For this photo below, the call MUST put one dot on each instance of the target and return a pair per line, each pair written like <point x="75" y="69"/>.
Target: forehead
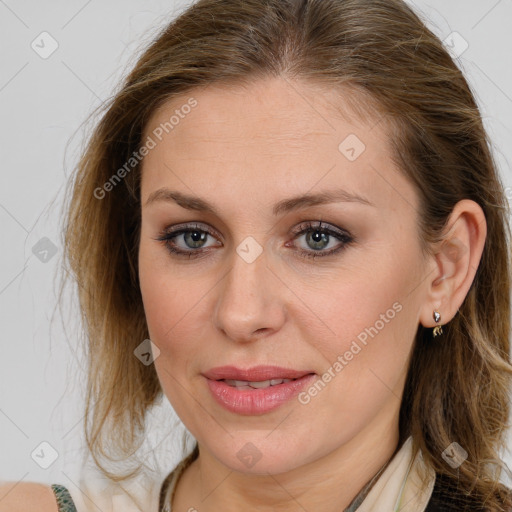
<point x="297" y="108"/>
<point x="274" y="129"/>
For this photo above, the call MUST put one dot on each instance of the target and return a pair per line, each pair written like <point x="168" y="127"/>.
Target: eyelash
<point x="345" y="238"/>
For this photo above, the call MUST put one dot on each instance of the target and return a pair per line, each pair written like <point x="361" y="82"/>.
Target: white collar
<point x="400" y="487"/>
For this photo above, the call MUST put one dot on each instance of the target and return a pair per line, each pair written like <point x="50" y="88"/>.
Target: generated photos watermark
<point x="149" y="144"/>
<point x="355" y="348"/>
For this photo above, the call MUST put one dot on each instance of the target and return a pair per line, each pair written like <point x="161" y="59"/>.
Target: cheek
<point x="162" y="302"/>
<point x="171" y="317"/>
<point x="175" y="309"/>
<point x="171" y="308"/>
<point x="369" y="323"/>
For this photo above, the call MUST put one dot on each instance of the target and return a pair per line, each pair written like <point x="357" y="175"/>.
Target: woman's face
<point x="258" y="282"/>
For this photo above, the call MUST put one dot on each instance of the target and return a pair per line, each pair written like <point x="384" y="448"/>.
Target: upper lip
<point x="254" y="374"/>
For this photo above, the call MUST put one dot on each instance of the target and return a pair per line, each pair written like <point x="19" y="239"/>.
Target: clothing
<point x="397" y="488"/>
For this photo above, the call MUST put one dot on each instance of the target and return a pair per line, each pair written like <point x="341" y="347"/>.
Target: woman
<point x="289" y="222"/>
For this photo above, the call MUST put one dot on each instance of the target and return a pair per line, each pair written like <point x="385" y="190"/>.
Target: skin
<point x="243" y="149"/>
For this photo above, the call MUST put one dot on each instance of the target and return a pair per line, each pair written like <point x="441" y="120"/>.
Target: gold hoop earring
<point x="438" y="328"/>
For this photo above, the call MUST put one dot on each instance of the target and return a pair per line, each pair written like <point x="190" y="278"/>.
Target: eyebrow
<point x="286" y="205"/>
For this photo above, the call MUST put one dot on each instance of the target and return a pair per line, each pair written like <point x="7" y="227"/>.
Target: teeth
<point x="259" y="385"/>
<point x="244" y="384"/>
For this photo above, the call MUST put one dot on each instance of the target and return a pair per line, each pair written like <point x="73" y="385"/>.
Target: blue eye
<point x="191" y="234"/>
<point x="318" y="238"/>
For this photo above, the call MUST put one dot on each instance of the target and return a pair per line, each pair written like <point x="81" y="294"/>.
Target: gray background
<point x="43" y="102"/>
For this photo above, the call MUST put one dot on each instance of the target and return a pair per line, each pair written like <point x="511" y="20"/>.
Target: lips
<point x="256" y="390"/>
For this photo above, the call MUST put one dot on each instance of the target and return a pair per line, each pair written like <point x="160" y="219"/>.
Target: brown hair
<point x="457" y="388"/>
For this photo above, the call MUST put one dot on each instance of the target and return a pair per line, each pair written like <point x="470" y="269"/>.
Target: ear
<point x="454" y="262"/>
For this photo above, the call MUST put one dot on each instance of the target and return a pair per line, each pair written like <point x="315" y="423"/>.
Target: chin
<point x="262" y="456"/>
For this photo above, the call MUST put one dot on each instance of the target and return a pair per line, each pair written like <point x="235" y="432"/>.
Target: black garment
<point x="447" y="497"/>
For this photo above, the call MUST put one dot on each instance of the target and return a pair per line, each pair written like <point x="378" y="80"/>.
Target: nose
<point x="250" y="305"/>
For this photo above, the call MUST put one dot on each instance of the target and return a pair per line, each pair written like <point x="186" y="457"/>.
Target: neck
<point x="329" y="483"/>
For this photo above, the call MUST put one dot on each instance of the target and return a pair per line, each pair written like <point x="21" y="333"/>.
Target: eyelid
<point x="321" y="225"/>
<point x="190" y="226"/>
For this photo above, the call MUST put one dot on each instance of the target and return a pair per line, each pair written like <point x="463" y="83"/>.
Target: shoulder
<point x="27" y="497"/>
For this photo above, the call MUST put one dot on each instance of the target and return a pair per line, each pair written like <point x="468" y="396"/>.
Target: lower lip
<point x="256" y="401"/>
